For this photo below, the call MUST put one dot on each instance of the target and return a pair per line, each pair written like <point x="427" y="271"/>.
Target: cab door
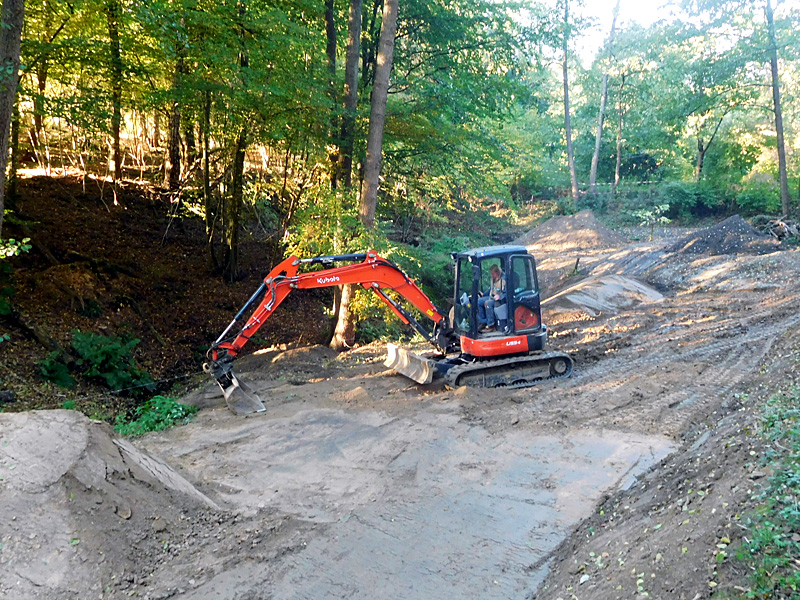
<point x="523" y="286"/>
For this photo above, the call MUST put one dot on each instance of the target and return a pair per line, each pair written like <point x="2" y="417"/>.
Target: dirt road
<point x="358" y="484"/>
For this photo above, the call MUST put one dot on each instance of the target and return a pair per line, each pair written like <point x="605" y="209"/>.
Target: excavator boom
<point x="368" y="270"/>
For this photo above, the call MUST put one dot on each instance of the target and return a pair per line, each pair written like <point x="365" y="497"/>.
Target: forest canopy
<point x="260" y="109"/>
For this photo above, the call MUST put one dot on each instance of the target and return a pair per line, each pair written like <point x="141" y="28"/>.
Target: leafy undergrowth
<point x="157" y="414"/>
<point x="773" y="549"/>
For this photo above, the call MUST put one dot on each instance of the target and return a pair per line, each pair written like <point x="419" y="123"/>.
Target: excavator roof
<point x="489" y="251"/>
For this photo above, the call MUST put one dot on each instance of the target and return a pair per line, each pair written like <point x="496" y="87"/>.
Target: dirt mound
<point x="81" y="509"/>
<point x="581" y="230"/>
<point x="608" y="294"/>
<point x="732" y="236"/>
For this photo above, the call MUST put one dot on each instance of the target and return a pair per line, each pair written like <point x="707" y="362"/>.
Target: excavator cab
<point x="518" y="312"/>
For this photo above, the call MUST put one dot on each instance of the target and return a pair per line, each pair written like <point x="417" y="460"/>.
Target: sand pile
<point x="80" y="511"/>
<point x="579" y="231"/>
<point x="731" y="236"/>
<point x="608" y="295"/>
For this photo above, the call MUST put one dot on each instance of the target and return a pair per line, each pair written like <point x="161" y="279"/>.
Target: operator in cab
<point x="495" y="296"/>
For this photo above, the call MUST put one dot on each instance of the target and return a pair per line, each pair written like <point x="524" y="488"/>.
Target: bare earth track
<point x="359" y="484"/>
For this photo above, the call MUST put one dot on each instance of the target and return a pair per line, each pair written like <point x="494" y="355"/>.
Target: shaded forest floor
<point x="125" y="267"/>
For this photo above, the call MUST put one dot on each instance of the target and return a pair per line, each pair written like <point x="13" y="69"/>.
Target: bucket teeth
<point x="241" y="398"/>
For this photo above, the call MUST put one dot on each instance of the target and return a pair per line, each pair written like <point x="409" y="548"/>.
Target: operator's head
<point x="495" y="271"/>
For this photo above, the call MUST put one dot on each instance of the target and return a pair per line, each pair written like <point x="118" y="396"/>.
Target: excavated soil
<point x="356" y="483"/>
<point x="732" y="236"/>
<point x="571" y="232"/>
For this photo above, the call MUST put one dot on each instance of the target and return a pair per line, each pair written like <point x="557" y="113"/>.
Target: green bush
<point x="157" y="414"/>
<point x="759" y="195"/>
<point x="692" y="199"/>
<point x="109" y="359"/>
<point x="53" y="369"/>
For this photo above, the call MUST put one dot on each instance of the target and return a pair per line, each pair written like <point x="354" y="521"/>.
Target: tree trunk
<point x="114" y="16"/>
<point x="191" y="144"/>
<point x="13" y="12"/>
<point x="330" y="51"/>
<point x="38" y="101"/>
<point x="207" y="204"/>
<point x="156" y="129"/>
<point x="776" y="99"/>
<point x="233" y="211"/>
<point x="573" y="177"/>
<point x="377" y="116"/>
<point x="172" y="166"/>
<point x="701" y="155"/>
<point x="620" y="116"/>
<point x="602" y="113"/>
<point x="12" y="172"/>
<point x="344" y="334"/>
<point x="368" y="50"/>
<point x="350" y="92"/>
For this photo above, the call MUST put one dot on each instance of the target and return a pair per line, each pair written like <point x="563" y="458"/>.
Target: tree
<point x="343" y="334"/>
<point x="13" y="13"/>
<point x="567" y="124"/>
<point x="776" y="99"/>
<point x="350" y="92"/>
<point x="114" y="16"/>
<point x="602" y="111"/>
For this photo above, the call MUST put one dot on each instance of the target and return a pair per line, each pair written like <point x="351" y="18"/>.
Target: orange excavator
<point x="478" y="343"/>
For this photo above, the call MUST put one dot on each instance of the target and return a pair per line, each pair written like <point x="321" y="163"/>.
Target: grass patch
<point x="157" y="414"/>
<point x="773" y="552"/>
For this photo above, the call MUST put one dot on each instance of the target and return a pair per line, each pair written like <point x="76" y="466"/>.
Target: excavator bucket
<point x="241" y="398"/>
<point x="413" y="366"/>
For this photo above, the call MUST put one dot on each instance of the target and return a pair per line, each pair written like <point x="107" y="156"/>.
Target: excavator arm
<point x="369" y="270"/>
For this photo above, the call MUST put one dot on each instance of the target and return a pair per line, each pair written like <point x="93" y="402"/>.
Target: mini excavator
<point x="512" y="355"/>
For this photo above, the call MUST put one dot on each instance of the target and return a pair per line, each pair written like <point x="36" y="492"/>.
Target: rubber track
<point x="454" y="373"/>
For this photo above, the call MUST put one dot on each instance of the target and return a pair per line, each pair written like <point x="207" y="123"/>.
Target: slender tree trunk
<point x="344" y="332"/>
<point x="701" y="155"/>
<point x="377" y="116"/>
<point x="233" y="212"/>
<point x="114" y="16"/>
<point x="776" y="100"/>
<point x="567" y="126"/>
<point x="602" y="113"/>
<point x="368" y="50"/>
<point x="172" y="167"/>
<point x="12" y="172"/>
<point x="38" y="102"/>
<point x="207" y="201"/>
<point x="330" y="51"/>
<point x="620" y="117"/>
<point x="156" y="129"/>
<point x="350" y="91"/>
<point x="191" y="143"/>
<point x="13" y="12"/>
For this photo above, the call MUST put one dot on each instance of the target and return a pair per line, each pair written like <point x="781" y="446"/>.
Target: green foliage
<point x="9" y="248"/>
<point x="53" y="369"/>
<point x="771" y="549"/>
<point x="157" y="414"/>
<point x="652" y="217"/>
<point x="109" y="359"/>
<point x="692" y="199"/>
<point x="12" y="247"/>
<point x="759" y="195"/>
<point x="69" y="405"/>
